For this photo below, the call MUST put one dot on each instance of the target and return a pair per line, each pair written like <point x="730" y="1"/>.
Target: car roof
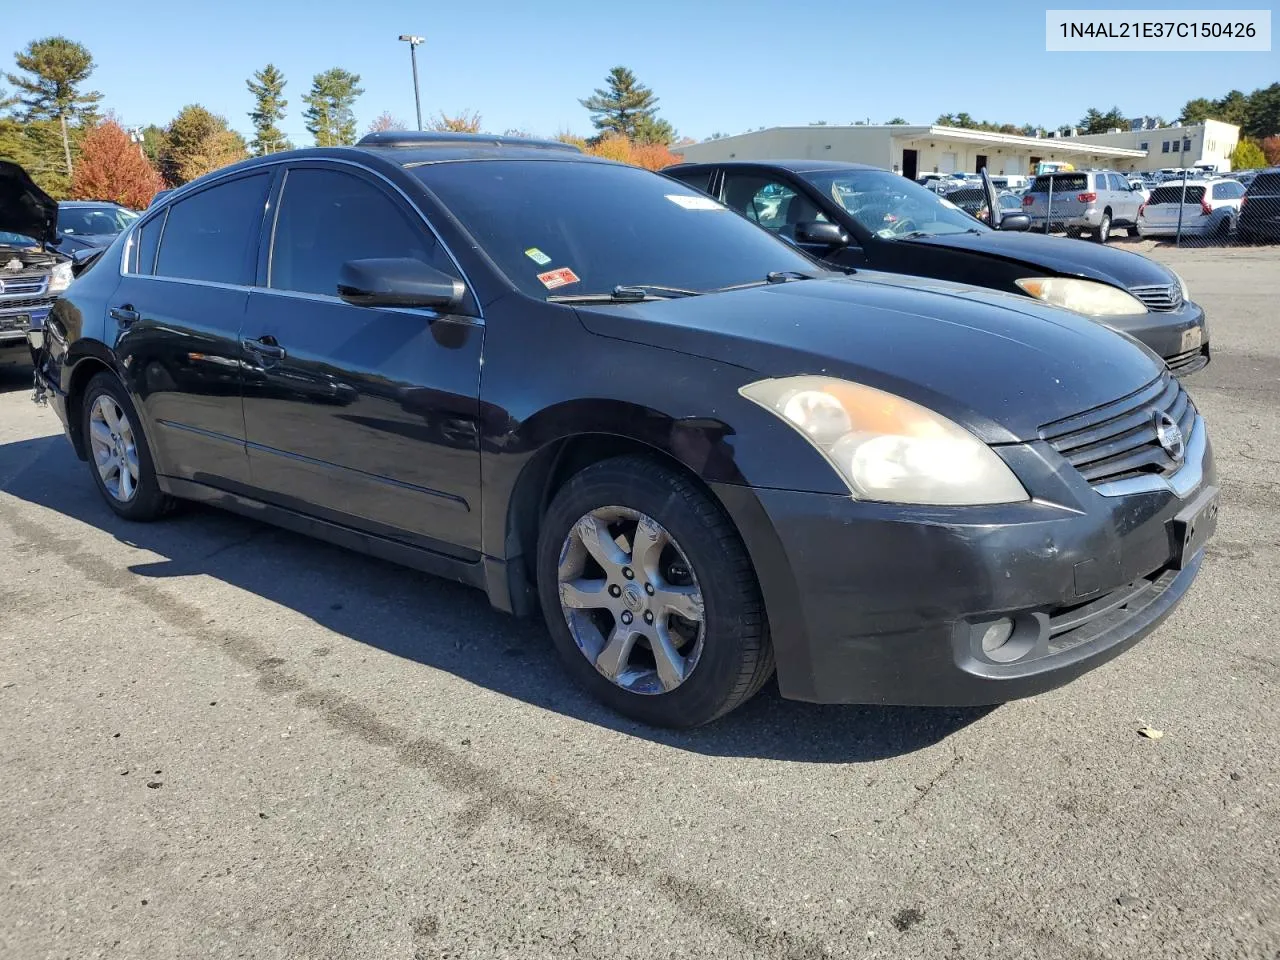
<point x="793" y="166"/>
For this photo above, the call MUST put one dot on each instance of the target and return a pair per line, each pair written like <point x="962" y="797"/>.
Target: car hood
<point x="1058" y="255"/>
<point x="999" y="364"/>
<point x="24" y="207"/>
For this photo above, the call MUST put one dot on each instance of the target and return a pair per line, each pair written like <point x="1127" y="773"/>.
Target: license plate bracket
<point x="1192" y="338"/>
<point x="1194" y="524"/>
<point x="15" y="321"/>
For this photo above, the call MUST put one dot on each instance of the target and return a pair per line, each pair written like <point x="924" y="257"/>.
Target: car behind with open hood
<point x="589" y="389"/>
<point x="31" y="272"/>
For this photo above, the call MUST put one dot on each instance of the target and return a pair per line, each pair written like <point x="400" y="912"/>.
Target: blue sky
<point x="716" y="65"/>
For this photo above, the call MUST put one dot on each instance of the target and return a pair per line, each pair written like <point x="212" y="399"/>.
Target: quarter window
<point x="211" y="235"/>
<point x="146" y="241"/>
<point x="328" y="217"/>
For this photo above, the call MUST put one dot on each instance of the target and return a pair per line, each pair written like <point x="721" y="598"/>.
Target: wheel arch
<point x="544" y="473"/>
<point x="77" y="376"/>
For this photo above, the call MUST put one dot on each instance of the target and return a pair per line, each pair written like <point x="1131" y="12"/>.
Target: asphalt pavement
<point x="224" y="740"/>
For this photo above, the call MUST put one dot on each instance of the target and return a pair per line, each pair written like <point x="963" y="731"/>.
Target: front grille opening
<point x="1119" y="440"/>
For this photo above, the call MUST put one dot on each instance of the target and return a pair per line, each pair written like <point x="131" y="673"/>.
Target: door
<point x="947" y="162"/>
<point x="179" y="307"/>
<point x="910" y="163"/>
<point x="980" y="163"/>
<point x="363" y="416"/>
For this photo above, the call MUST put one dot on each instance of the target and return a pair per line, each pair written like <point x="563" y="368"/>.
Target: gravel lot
<point x="223" y="740"/>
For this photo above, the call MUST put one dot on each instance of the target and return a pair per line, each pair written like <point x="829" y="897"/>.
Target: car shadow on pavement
<point x="444" y="625"/>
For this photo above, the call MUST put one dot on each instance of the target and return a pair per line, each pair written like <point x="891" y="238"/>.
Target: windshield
<point x="17" y="240"/>
<point x="93" y="221"/>
<point x="891" y="206"/>
<point x="571" y="227"/>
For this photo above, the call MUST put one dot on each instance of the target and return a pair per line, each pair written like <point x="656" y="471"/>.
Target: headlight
<point x="1083" y="296"/>
<point x="887" y="448"/>
<point x="1182" y="285"/>
<point x="60" y="278"/>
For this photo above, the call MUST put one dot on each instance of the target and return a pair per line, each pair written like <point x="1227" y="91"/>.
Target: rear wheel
<point x="650" y="596"/>
<point x="1103" y="233"/>
<point x="118" y="451"/>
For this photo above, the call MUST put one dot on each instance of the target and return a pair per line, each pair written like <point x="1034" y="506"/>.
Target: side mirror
<point x="1015" y="221"/>
<point x="398" y="282"/>
<point x="822" y="232"/>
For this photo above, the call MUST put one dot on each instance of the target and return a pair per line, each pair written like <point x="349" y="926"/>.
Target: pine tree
<point x="625" y="106"/>
<point x="56" y="68"/>
<point x="329" y="116"/>
<point x="267" y="87"/>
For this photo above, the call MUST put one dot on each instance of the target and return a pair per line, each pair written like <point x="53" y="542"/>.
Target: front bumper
<point x="1173" y="335"/>
<point x="879" y="603"/>
<point x="15" y="327"/>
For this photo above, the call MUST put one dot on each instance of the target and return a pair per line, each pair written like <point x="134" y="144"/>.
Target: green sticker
<point x="537" y="256"/>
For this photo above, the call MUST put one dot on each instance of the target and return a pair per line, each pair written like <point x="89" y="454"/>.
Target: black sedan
<point x="855" y="215"/>
<point x="591" y="390"/>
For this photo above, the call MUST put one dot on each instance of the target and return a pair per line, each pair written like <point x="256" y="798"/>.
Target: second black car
<point x="860" y="216"/>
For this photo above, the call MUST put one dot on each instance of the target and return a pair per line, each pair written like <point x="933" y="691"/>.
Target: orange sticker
<point x="558" y="278"/>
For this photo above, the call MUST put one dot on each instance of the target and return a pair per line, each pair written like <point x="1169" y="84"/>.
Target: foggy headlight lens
<point x="1083" y="296"/>
<point x="1182" y="285"/>
<point x="60" y="278"/>
<point x="887" y="448"/>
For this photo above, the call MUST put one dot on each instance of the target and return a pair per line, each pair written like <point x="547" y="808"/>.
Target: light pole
<point x="413" y="56"/>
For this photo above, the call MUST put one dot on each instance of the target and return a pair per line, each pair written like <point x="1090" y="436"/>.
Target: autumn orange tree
<point x="1271" y="150"/>
<point x="113" y="167"/>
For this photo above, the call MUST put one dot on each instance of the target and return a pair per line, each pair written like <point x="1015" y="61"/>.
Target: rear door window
<point x="698" y="179"/>
<point x="1227" y="190"/>
<point x="213" y="235"/>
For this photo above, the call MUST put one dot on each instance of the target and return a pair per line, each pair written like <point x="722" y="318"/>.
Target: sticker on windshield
<point x="537" y="256"/>
<point x="693" y="203"/>
<point x="560" y="277"/>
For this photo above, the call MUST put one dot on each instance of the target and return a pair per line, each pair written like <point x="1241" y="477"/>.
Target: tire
<point x="1222" y="232"/>
<point x="134" y="498"/>
<point x="1103" y="233"/>
<point x="723" y="663"/>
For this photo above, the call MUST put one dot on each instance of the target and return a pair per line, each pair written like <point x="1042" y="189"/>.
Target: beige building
<point x="1176" y="146"/>
<point x="914" y="150"/>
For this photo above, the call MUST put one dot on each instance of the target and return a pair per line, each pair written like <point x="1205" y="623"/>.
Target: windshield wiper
<point x="627" y="293"/>
<point x="776" y="276"/>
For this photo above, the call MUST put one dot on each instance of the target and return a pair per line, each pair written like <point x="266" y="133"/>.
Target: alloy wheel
<point x="114" y="447"/>
<point x="631" y="600"/>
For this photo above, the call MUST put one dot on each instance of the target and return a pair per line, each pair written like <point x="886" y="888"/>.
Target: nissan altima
<point x="596" y="393"/>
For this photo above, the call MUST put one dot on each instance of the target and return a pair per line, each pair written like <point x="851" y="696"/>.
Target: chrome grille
<point x="1188" y="362"/>
<point x="16" y="286"/>
<point x="1118" y="440"/>
<point x="1163" y="298"/>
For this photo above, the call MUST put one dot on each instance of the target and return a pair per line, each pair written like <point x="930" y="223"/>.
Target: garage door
<point x="947" y="163"/>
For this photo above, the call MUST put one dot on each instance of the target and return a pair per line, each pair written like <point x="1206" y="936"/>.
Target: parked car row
<point x="886" y="487"/>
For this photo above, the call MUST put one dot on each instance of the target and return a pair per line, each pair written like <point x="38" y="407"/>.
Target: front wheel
<point x="650" y="596"/>
<point x="118" y="451"/>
